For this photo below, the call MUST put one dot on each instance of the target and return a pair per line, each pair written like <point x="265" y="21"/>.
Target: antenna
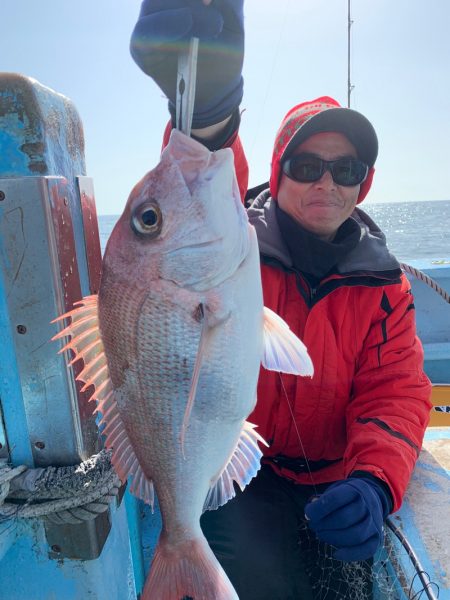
<point x="349" y="82"/>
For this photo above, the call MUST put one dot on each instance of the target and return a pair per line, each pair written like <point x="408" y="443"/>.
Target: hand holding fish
<point x="164" y="28"/>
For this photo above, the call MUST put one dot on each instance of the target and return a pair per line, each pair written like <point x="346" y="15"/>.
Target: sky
<point x="296" y="50"/>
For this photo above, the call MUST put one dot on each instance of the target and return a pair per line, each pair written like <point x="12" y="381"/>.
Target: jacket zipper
<point x="307" y="291"/>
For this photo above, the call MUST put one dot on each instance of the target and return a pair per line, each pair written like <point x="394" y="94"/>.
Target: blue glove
<point x="165" y="26"/>
<point x="350" y="515"/>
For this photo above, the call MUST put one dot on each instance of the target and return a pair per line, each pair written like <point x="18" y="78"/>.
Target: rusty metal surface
<point x="41" y="281"/>
<point x="91" y="233"/>
<point x="61" y="242"/>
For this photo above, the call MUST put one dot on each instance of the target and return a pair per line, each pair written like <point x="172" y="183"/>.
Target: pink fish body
<point x="173" y="345"/>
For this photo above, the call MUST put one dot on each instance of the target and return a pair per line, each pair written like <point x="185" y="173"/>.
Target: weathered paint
<point x="41" y="281"/>
<point x="424" y="516"/>
<point x="26" y="573"/>
<point x="47" y="261"/>
<point x="151" y="528"/>
<point x="135" y="516"/>
<point x="10" y="385"/>
<point x="42" y="130"/>
<point x="42" y="134"/>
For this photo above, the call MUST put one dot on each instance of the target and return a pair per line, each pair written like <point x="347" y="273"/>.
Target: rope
<point x="423" y="277"/>
<point x="59" y="494"/>
<point x="6" y="475"/>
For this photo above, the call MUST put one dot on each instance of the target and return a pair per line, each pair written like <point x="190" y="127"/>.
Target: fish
<point x="173" y="344"/>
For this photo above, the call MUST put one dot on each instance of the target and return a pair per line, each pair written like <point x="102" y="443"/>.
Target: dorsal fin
<point x="86" y="343"/>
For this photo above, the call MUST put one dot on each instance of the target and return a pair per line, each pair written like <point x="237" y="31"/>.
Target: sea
<point x="414" y="230"/>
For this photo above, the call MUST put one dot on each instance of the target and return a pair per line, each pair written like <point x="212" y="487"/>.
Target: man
<point x="343" y="444"/>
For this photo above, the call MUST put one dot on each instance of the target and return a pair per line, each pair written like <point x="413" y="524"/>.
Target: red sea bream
<point x="173" y="345"/>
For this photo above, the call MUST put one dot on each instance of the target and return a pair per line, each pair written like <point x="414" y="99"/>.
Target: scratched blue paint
<point x="425" y="476"/>
<point x="151" y="527"/>
<point x="53" y="128"/>
<point x="41" y="134"/>
<point x="434" y="469"/>
<point x="26" y="572"/>
<point x="432" y="486"/>
<point x="12" y="407"/>
<point x="134" y="516"/>
<point x="432" y="568"/>
<point x="437" y="433"/>
<point x="12" y="160"/>
<point x="11" y="390"/>
<point x="7" y="538"/>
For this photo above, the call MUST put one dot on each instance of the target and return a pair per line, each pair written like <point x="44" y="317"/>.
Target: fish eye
<point x="147" y="219"/>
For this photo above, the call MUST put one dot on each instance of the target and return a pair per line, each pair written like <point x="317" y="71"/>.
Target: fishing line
<point x="298" y="434"/>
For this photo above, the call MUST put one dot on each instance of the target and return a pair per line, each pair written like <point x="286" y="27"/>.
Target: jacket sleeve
<point x="390" y="405"/>
<point x="240" y="160"/>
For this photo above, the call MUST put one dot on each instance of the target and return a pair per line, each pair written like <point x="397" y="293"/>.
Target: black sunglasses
<point x="307" y="168"/>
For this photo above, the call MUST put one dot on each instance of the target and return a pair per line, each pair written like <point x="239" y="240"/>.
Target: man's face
<point x="321" y="206"/>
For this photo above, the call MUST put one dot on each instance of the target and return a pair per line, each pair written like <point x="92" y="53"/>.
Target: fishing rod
<point x="349" y="27"/>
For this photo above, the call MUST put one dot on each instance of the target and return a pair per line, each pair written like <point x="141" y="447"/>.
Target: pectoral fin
<point x="283" y="351"/>
<point x="203" y="344"/>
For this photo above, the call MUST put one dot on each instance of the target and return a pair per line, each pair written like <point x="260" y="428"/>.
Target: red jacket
<point x="367" y="406"/>
<point x="368" y="401"/>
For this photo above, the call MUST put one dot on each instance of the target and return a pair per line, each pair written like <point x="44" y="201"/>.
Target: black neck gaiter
<point x="311" y="255"/>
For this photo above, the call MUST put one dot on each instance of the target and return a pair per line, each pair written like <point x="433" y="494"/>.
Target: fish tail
<point x="187" y="570"/>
